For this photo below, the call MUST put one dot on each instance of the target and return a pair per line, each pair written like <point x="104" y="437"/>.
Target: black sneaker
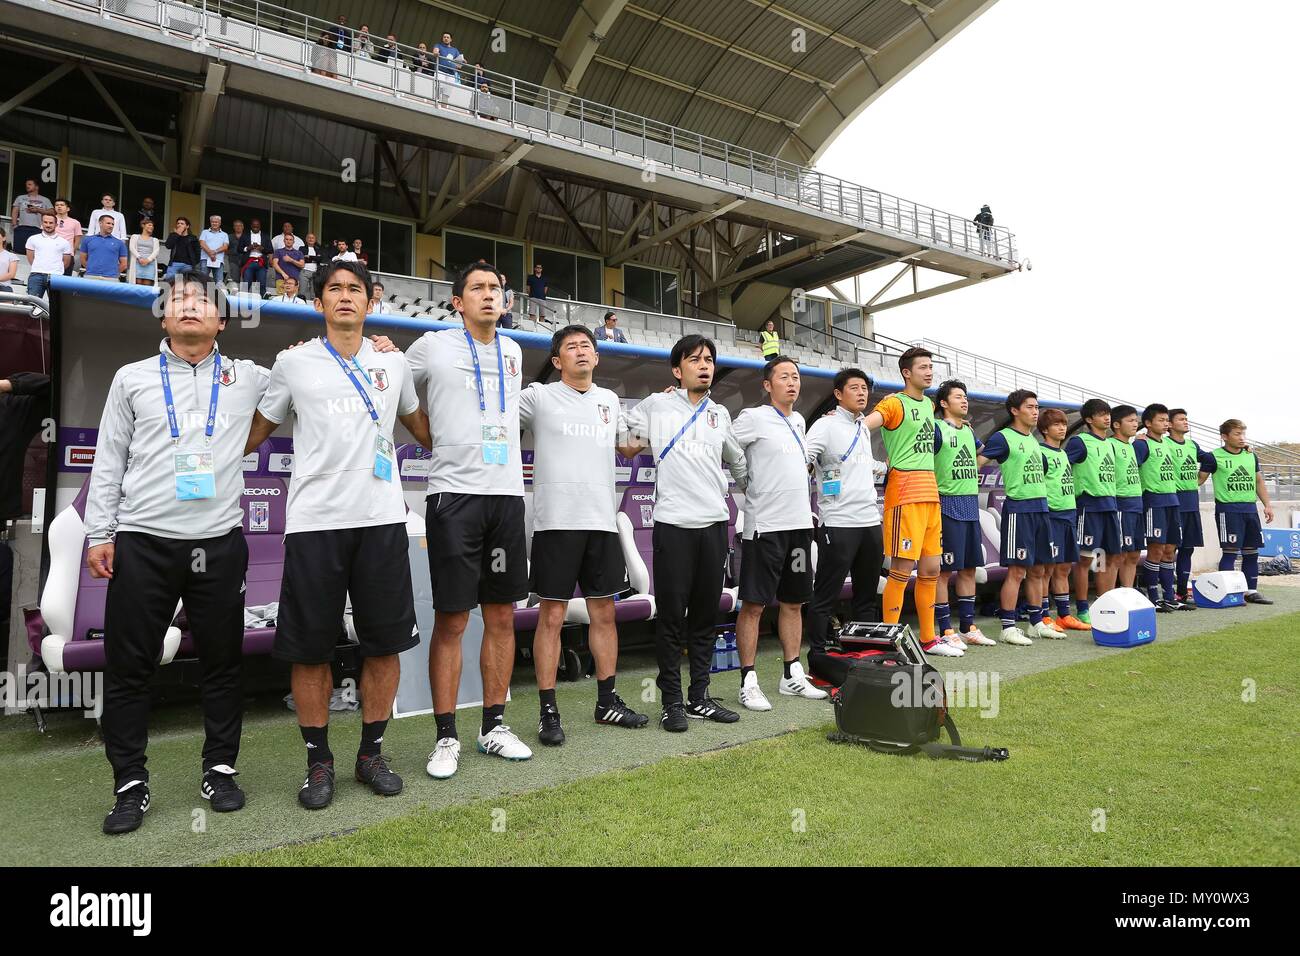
<point x="1186" y="602"/>
<point x="673" y="719"/>
<point x="1254" y="597"/>
<point x="620" y="714"/>
<point x="221" y="791"/>
<point x="549" y="730"/>
<point x="128" y="810"/>
<point x="1165" y="607"/>
<point x="374" y="771"/>
<point x="318" y="789"/>
<point x="710" y="708"/>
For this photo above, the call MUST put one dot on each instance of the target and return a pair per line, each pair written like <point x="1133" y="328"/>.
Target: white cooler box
<point x="1220" y="589"/>
<point x="1123" y="618"/>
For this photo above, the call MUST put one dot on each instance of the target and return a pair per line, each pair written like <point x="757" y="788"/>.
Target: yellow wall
<point x="428" y="247"/>
<point x="187" y="205"/>
<point x="613" y="280"/>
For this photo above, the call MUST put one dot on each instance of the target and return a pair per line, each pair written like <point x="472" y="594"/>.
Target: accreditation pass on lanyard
<point x="831" y="476"/>
<point x="496" y="445"/>
<point x="384" y="457"/>
<point x="194" y="474"/>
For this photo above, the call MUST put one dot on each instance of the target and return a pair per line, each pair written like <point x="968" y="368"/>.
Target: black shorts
<point x="777" y="564"/>
<point x="590" y="560"/>
<point x="321" y="569"/>
<point x="477" y="550"/>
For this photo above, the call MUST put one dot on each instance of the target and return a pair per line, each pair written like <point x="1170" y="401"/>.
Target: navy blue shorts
<point x="1064" y="545"/>
<point x="1131" y="526"/>
<point x="1239" y="530"/>
<point x="1163" y="525"/>
<point x="963" y="544"/>
<point x="1190" y="533"/>
<point x="1026" y="539"/>
<point x="1098" y="531"/>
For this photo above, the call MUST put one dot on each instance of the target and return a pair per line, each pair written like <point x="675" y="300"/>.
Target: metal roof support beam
<point x="780" y="262"/>
<point x="196" y="122"/>
<point x="937" y="290"/>
<point x="126" y="123"/>
<point x="46" y="81"/>
<point x="631" y="231"/>
<point x="923" y="8"/>
<point x="692" y="260"/>
<point x="564" y="211"/>
<point x="828" y="32"/>
<point x="784" y="121"/>
<point x="830" y="115"/>
<point x="386" y="153"/>
<point x="676" y="229"/>
<point x="502" y="164"/>
<point x="907" y="267"/>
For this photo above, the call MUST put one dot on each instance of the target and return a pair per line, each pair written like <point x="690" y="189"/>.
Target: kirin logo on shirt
<point x="380" y="377"/>
<point x="604" y="413"/>
<point x="227" y="375"/>
<point x="712" y="416"/>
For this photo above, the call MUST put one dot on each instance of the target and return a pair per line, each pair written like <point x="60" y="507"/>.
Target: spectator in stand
<point x="290" y="293"/>
<point x="449" y="59"/>
<point x="536" y="290"/>
<point x="610" y="332"/>
<point x="145" y="212"/>
<point x="287" y="261"/>
<point x="378" y="305"/>
<point x="254" y="273"/>
<point x="769" y="341"/>
<point x="183" y="248"/>
<point x="507" y="320"/>
<point x="255" y="235"/>
<point x="387" y="52"/>
<point x="8" y="265"/>
<point x="109" y="208"/>
<point x="29" y="205"/>
<point x="484" y="104"/>
<point x="421" y="61"/>
<point x="103" y="255"/>
<point x="341" y="36"/>
<point x="214" y="242"/>
<point x="238" y="250"/>
<point x="362" y="255"/>
<point x="285" y="238"/>
<point x="324" y="55"/>
<point x="341" y="251"/>
<point x="69" y="228"/>
<point x="365" y="46"/>
<point x="311" y="257"/>
<point x="143" y="268"/>
<point x="48" y="254"/>
<point x="984" y="223"/>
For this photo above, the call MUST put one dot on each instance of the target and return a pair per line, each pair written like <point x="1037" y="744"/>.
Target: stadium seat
<point x="637" y="606"/>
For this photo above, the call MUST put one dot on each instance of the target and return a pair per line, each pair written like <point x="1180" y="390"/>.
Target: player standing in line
<point x="913" y="523"/>
<point x="691" y="437"/>
<point x="848" y="538"/>
<point x="1099" y="528"/>
<point x="776" y="558"/>
<point x="1026" y="535"/>
<point x="1237" y="483"/>
<point x="1128" y="492"/>
<point x="1062" y="516"/>
<point x="474" y="512"/>
<point x="1159" y="476"/>
<point x="1187" y="465"/>
<point x="575" y="425"/>
<point x="345" y="529"/>
<point x="956" y="450"/>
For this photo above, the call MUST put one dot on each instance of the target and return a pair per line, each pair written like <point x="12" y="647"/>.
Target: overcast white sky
<point x="1144" y="153"/>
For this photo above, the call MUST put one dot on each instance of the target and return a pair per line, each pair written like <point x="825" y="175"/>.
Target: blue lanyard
<point x="478" y="372"/>
<point x="852" y="445"/>
<point x="689" y="422"/>
<point x="171" y="404"/>
<point x="791" y="427"/>
<point x="347" y="370"/>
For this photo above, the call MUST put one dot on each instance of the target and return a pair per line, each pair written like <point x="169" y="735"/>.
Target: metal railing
<point x="1009" y="377"/>
<point x="280" y="36"/>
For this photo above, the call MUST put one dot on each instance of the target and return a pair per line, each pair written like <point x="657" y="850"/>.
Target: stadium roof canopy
<point x="782" y="77"/>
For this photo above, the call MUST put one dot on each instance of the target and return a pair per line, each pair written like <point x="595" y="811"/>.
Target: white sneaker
<point x="445" y="758"/>
<point x="976" y="636"/>
<point x="1013" y="635"/>
<point x="943" y="648"/>
<point x="955" y="639"/>
<point x="751" y="695"/>
<point x="502" y="742"/>
<point x="798" y="685"/>
<point x="1044" y="630"/>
